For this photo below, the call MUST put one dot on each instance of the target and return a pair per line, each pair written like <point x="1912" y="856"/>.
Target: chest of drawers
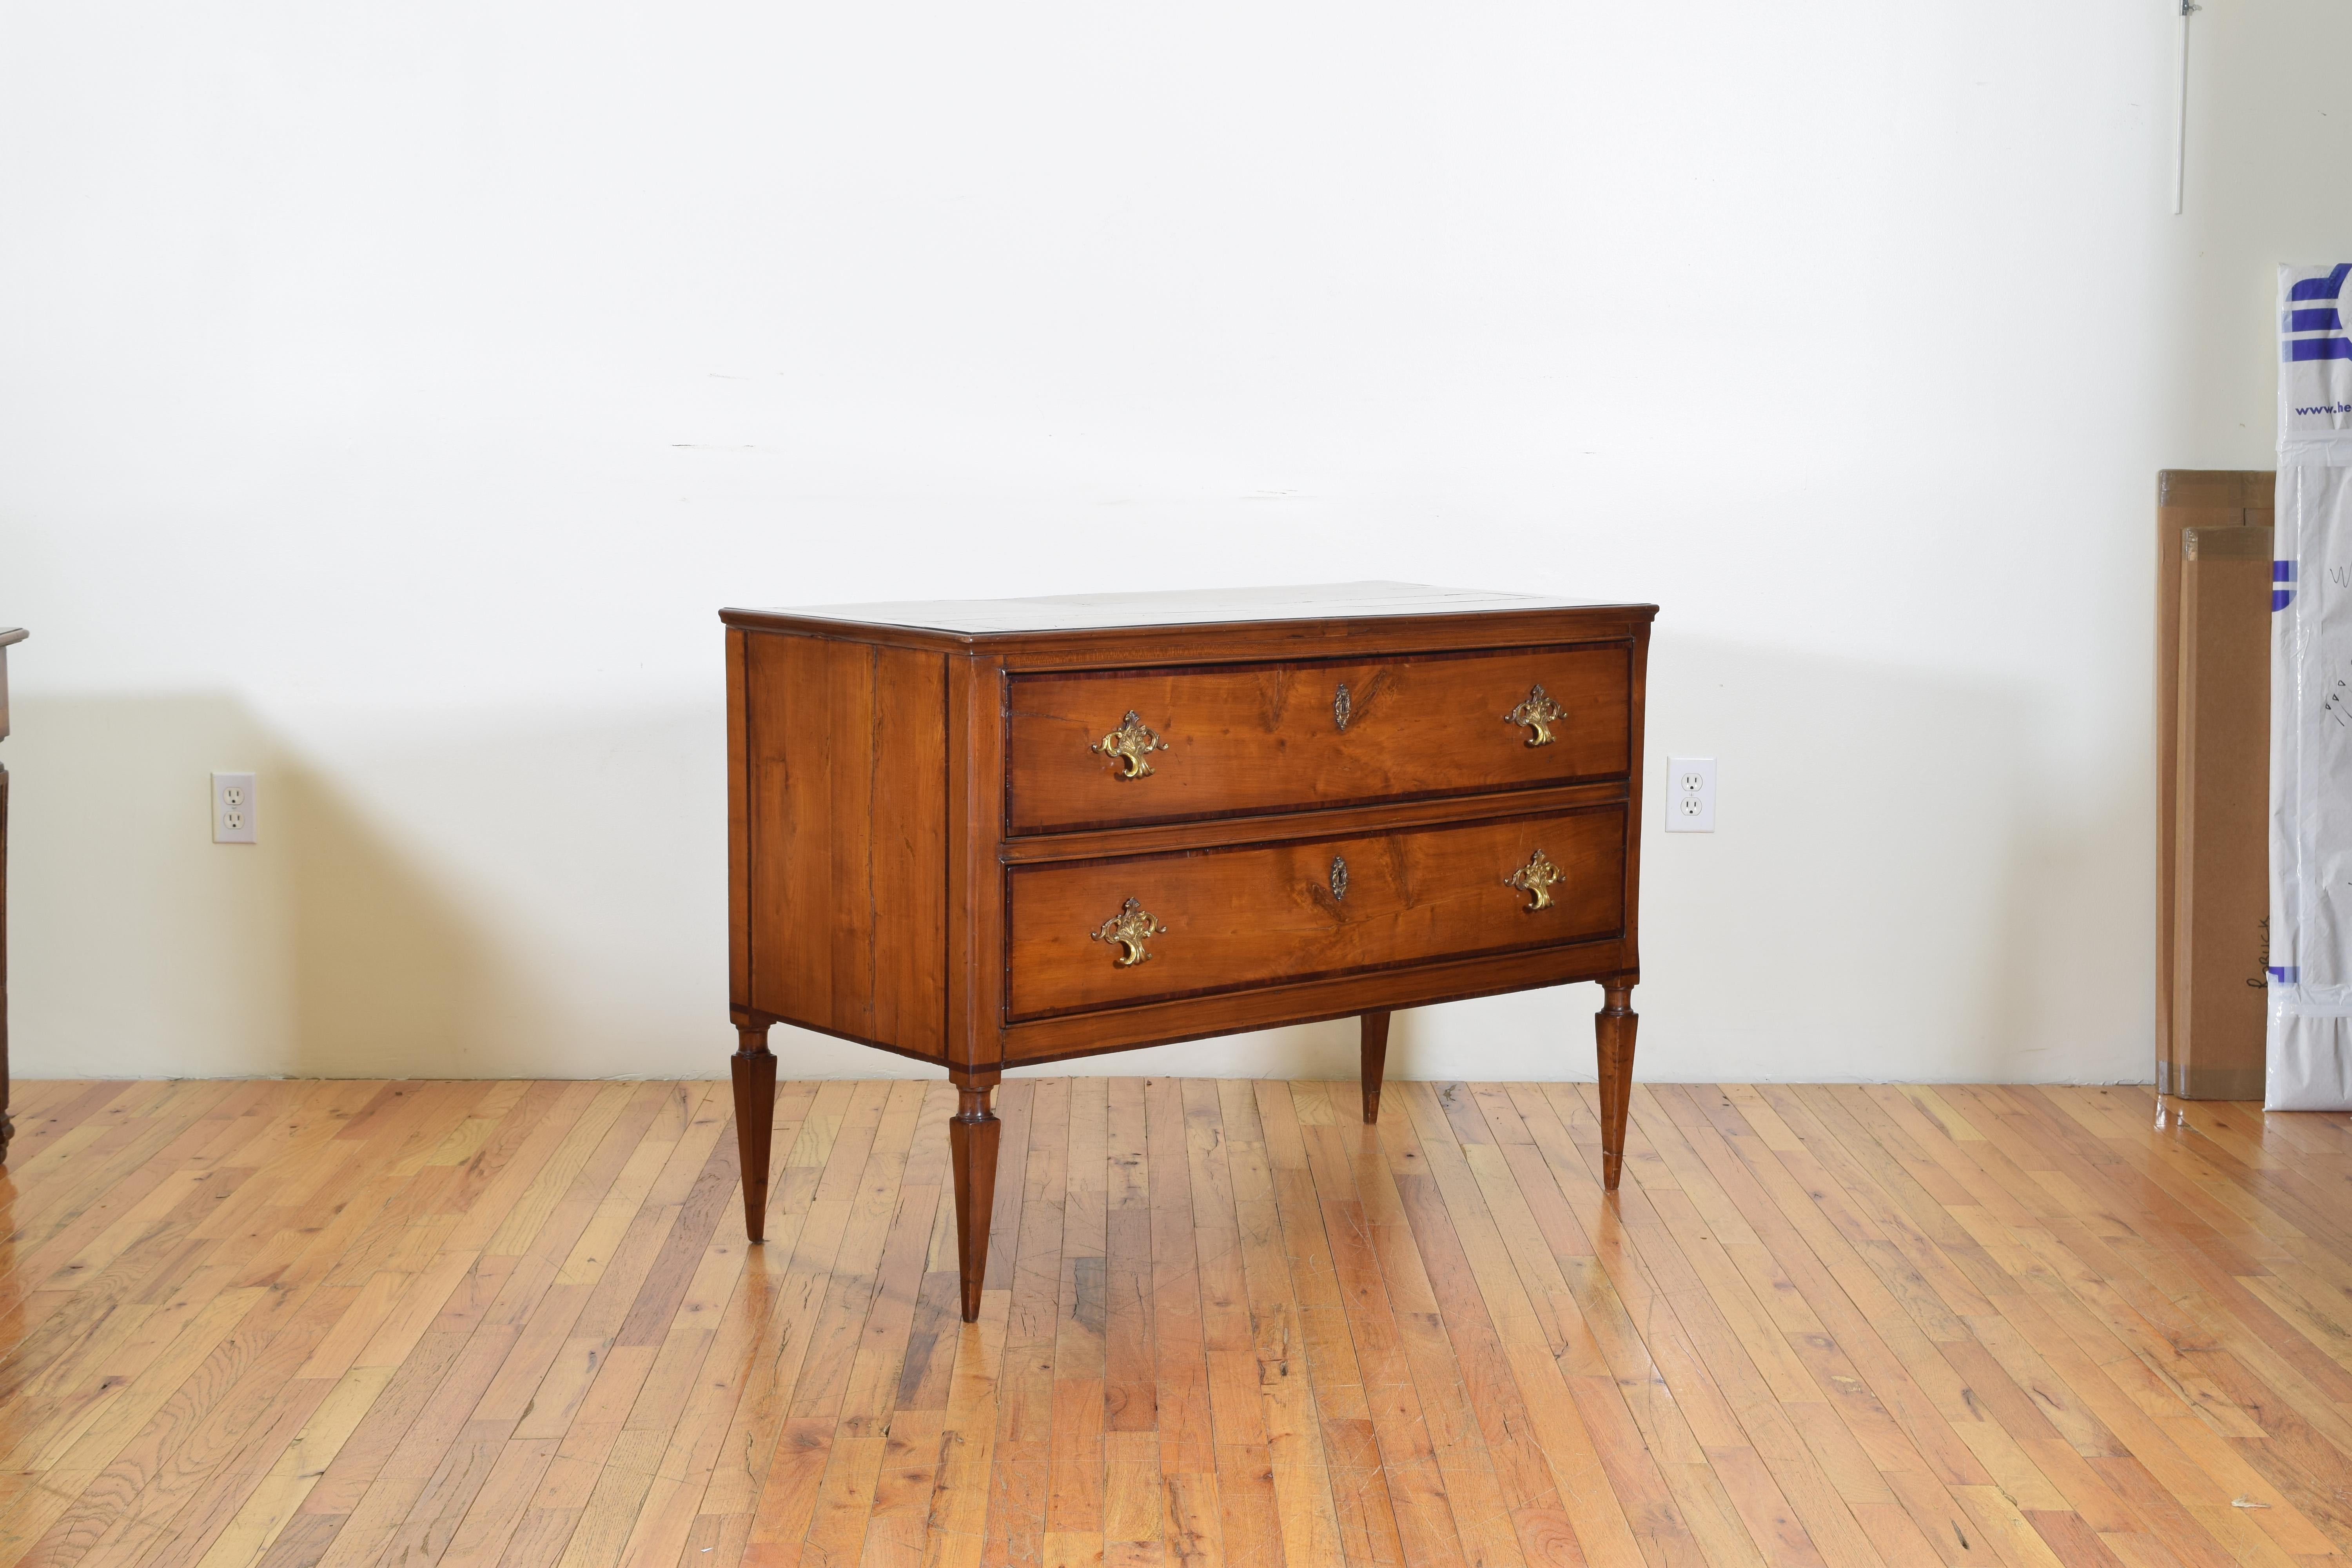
<point x="994" y="833"/>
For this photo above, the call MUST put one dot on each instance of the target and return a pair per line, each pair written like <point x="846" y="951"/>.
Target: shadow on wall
<point x="391" y="922"/>
<point x="553" y="884"/>
<point x="389" y="971"/>
<point x="144" y="948"/>
<point x="136" y="943"/>
<point x="1905" y="883"/>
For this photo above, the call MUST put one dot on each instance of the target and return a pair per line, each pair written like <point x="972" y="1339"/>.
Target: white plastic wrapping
<point x="2309" y="1054"/>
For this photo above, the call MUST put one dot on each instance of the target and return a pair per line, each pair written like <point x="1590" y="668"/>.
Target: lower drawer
<point x="1089" y="934"/>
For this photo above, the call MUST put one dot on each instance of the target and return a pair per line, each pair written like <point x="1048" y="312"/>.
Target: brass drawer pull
<point x="1132" y="743"/>
<point x="1338" y="877"/>
<point x="1538" y="713"/>
<point x="1339" y="707"/>
<point x="1129" y="928"/>
<point x="1535" y="877"/>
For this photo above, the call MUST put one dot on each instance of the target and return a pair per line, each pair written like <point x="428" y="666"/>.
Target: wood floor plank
<point x="1073" y="1483"/>
<point x="343" y="1323"/>
<point x="1249" y="1323"/>
<point x="1429" y="1525"/>
<point x="168" y="1493"/>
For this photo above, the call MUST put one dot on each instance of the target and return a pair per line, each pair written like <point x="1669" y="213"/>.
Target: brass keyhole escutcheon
<point x="1128" y="930"/>
<point x="1132" y="743"/>
<point x="1338" y="877"/>
<point x="1342" y="707"/>
<point x="1535" y="878"/>
<point x="1539" y="713"/>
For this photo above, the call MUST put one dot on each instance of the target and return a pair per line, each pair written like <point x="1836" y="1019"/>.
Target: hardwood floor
<point x="350" y="1323"/>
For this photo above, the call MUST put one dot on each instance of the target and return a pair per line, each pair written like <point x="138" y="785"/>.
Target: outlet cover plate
<point x="233" y="809"/>
<point x="1690" y="794"/>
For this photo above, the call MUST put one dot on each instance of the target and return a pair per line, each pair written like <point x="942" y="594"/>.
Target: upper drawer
<point x="1223" y="740"/>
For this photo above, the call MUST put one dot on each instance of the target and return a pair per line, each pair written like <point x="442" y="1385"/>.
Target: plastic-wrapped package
<point x="2309" y="1048"/>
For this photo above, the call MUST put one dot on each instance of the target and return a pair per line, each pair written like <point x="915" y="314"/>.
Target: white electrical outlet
<point x="1690" y="794"/>
<point x="233" y="809"/>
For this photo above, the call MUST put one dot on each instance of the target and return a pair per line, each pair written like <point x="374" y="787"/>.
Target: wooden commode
<point x="1001" y="833"/>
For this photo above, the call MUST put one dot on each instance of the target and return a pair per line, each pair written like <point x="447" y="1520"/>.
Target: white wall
<point x="389" y="396"/>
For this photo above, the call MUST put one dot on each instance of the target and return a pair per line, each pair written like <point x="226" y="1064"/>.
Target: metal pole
<point x="2180" y="112"/>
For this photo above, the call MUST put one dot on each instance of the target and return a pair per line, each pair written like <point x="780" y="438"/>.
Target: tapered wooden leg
<point x="1376" y="1062"/>
<point x="972" y="1150"/>
<point x="1613" y="1028"/>
<point x="755" y="1121"/>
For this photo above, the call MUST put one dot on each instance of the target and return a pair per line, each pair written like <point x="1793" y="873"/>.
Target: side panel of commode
<point x="842" y="839"/>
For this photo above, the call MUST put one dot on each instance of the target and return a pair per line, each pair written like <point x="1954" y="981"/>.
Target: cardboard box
<point x="2201" y="499"/>
<point x="2221" y="904"/>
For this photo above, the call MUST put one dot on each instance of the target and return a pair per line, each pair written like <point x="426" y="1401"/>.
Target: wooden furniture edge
<point x="1634" y="741"/>
<point x="1219" y="642"/>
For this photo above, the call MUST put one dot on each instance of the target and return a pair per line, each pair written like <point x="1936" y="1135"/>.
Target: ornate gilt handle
<point x="1535" y="877"/>
<point x="1130" y="927"/>
<point x="1132" y="743"/>
<point x="1538" y="713"/>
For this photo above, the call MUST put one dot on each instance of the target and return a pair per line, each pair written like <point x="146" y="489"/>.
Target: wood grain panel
<point x="1309" y="1001"/>
<point x="1268" y="913"/>
<point x="847" y="777"/>
<point x="1253" y="738"/>
<point x="975" y="827"/>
